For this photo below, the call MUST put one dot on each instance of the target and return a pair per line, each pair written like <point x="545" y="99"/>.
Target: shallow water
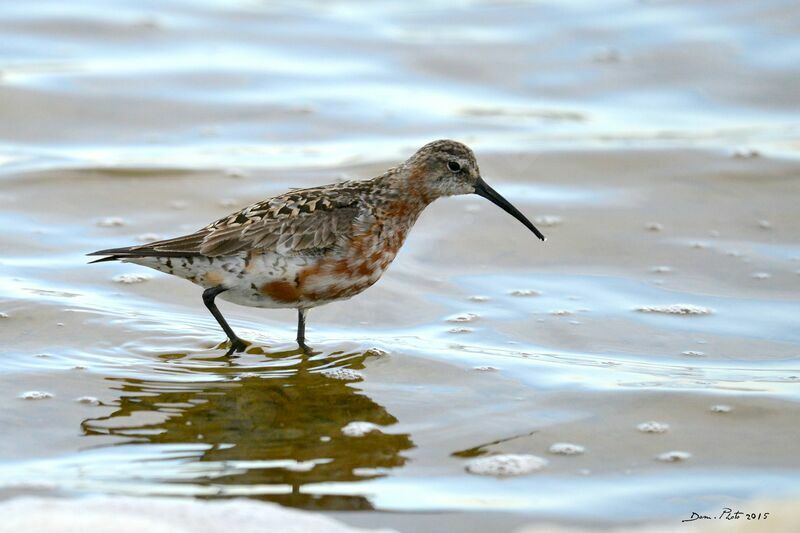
<point x="657" y="143"/>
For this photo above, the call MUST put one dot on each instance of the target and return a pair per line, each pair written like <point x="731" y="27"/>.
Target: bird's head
<point x="447" y="168"/>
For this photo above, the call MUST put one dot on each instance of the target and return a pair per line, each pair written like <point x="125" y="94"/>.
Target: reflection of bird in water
<point x="276" y="431"/>
<point x="310" y="247"/>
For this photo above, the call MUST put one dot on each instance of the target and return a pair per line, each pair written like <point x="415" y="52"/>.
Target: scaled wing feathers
<point x="296" y="221"/>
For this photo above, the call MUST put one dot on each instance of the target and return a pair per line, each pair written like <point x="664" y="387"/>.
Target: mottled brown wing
<point x="297" y="221"/>
<point x="293" y="234"/>
<point x="300" y="220"/>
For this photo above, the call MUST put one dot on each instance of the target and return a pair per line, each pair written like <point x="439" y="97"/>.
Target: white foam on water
<point x="503" y="465"/>
<point x="721" y="408"/>
<point x="693" y="353"/>
<point x="654" y="226"/>
<point x="111" y="222"/>
<point x="525" y="292"/>
<point x="661" y="269"/>
<point x="89" y="400"/>
<point x="463" y="317"/>
<point x="460" y="330"/>
<point x="673" y="456"/>
<point x="344" y="374"/>
<point x="653" y="427"/>
<point x="479" y="298"/>
<point x="676" y="309"/>
<point x="566" y="448"/>
<point x="359" y="429"/>
<point x="35" y="395"/>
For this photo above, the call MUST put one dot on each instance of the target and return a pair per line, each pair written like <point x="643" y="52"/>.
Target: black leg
<point x="237" y="344"/>
<point x="301" y="328"/>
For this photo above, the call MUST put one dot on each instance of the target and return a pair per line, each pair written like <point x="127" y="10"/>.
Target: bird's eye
<point x="454" y="166"/>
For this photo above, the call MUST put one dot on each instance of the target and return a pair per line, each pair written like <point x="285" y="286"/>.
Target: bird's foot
<point x="237" y="345"/>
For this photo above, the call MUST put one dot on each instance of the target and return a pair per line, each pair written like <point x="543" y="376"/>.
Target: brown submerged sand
<point x="668" y="290"/>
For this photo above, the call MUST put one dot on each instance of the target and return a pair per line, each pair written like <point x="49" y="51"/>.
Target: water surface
<point x="656" y="142"/>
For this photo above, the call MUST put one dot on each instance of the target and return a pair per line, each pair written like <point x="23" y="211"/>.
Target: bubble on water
<point x="4" y="315"/>
<point x="88" y="400"/>
<point x="760" y="275"/>
<point x="674" y="456"/>
<point x="506" y="465"/>
<point x="111" y="222"/>
<point x="693" y="353"/>
<point x="460" y="330"/>
<point x="479" y="298"/>
<point x="60" y="324"/>
<point x="359" y="429"/>
<point x="765" y="224"/>
<point x="343" y="374"/>
<point x="35" y="395"/>
<point x="676" y="309"/>
<point x="653" y="427"/>
<point x="525" y="292"/>
<point x="148" y="237"/>
<point x="485" y="368"/>
<point x="463" y="317"/>
<point x="566" y="448"/>
<point x="547" y="221"/>
<point x="560" y="312"/>
<point x="661" y="269"/>
<point x="325" y="438"/>
<point x="132" y="278"/>
<point x="721" y="408"/>
<point x="301" y="466"/>
<point x="654" y="226"/>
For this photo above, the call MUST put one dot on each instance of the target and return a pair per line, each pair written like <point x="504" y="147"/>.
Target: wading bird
<point x="310" y="247"/>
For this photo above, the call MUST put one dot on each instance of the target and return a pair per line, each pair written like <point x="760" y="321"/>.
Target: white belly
<point x="242" y="277"/>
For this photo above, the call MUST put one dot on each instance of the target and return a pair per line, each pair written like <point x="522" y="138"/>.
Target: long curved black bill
<point x="483" y="189"/>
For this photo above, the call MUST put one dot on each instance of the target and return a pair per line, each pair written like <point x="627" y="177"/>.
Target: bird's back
<point x="302" y="248"/>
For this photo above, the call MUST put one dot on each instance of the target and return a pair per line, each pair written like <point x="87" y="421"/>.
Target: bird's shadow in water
<point x="270" y="427"/>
